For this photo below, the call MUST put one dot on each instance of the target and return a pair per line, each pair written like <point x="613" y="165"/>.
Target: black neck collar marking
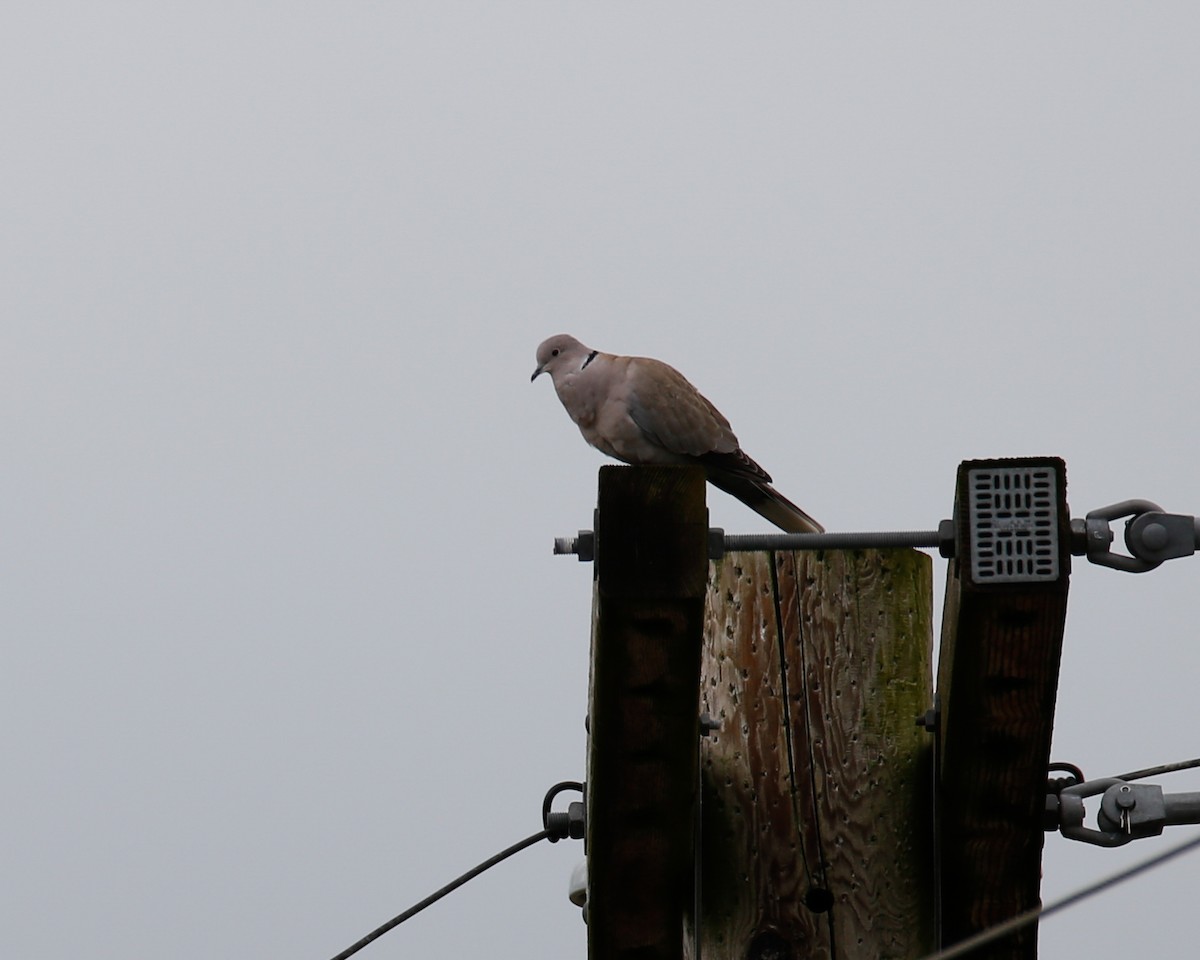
<point x="590" y="357"/>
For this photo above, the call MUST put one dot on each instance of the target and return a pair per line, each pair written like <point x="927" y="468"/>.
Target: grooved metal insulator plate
<point x="1013" y="524"/>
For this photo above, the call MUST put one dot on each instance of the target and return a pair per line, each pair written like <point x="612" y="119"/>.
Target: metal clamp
<point x="1071" y="813"/>
<point x="1128" y="811"/>
<point x="1157" y="536"/>
<point x="1151" y="536"/>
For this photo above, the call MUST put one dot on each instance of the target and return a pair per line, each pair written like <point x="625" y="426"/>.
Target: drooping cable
<point x="1008" y="927"/>
<point x="558" y="826"/>
<point x="438" y="894"/>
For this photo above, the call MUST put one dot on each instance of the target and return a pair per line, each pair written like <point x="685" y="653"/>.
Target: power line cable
<point x="1164" y="768"/>
<point x="1001" y="930"/>
<point x="558" y="827"/>
<point x="438" y="894"/>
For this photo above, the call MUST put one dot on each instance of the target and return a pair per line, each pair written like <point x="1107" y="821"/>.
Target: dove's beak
<point x="537" y="373"/>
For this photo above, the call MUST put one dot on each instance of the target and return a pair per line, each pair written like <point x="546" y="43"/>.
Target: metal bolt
<point x="1154" y="536"/>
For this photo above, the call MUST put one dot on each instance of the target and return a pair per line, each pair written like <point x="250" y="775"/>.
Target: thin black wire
<point x="437" y="895"/>
<point x="1011" y="926"/>
<point x="786" y="700"/>
<point x="1164" y="768"/>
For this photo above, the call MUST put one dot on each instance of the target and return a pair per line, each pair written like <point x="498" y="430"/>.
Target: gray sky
<point x="284" y="645"/>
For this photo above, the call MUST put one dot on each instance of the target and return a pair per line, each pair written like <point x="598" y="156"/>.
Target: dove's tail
<point x="765" y="500"/>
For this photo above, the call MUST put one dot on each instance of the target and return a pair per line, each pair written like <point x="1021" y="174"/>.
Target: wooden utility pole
<point x="651" y="560"/>
<point x="817" y="785"/>
<point x="1002" y="632"/>
<point x="815" y="812"/>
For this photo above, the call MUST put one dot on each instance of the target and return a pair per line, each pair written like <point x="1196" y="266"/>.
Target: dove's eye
<point x="554" y="353"/>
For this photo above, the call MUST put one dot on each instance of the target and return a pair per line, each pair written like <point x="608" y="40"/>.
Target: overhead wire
<point x="1021" y="920"/>
<point x="557" y="827"/>
<point x="962" y="948"/>
<point x="438" y="894"/>
<point x="1164" y="768"/>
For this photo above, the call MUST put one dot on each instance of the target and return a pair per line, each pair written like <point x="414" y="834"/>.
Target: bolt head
<point x="1154" y="536"/>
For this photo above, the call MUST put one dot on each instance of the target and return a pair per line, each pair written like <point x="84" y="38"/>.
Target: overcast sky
<point x="284" y="645"/>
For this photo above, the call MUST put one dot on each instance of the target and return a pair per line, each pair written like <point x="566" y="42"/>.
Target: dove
<point x="640" y="410"/>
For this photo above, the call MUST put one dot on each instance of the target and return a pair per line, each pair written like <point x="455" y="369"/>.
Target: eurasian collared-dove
<point x="642" y="411"/>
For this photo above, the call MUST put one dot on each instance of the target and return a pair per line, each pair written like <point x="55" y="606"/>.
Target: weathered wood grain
<point x="815" y="795"/>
